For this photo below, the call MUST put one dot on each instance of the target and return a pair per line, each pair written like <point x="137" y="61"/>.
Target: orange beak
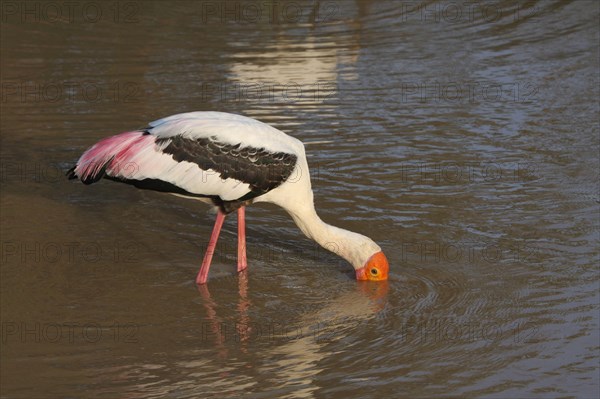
<point x="376" y="269"/>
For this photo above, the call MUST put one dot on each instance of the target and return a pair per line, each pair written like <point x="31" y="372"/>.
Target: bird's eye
<point x="374" y="272"/>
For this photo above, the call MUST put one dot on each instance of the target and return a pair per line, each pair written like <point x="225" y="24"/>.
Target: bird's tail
<point x="111" y="155"/>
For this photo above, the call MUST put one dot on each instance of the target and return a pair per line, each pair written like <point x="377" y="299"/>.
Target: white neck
<point x="296" y="197"/>
<point x="353" y="247"/>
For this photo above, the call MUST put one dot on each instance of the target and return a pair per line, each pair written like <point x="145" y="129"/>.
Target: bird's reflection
<point x="367" y="299"/>
<point x="243" y="307"/>
<point x="308" y="337"/>
<point x="217" y="325"/>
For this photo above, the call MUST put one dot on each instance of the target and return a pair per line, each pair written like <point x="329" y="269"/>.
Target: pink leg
<point x="242" y="261"/>
<point x="212" y="243"/>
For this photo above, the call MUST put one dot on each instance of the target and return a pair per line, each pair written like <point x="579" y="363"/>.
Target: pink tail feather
<point x="111" y="155"/>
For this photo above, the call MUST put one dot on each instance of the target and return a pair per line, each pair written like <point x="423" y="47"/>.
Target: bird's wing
<point x="192" y="156"/>
<point x="226" y="128"/>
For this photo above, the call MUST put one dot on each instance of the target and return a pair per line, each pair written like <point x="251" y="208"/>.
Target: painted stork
<point x="230" y="161"/>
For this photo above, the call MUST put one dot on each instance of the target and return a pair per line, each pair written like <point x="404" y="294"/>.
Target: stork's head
<point x="375" y="269"/>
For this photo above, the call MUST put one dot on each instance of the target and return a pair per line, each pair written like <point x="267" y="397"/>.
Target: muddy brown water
<point x="462" y="138"/>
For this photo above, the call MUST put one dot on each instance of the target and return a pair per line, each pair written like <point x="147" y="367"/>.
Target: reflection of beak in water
<point x="376" y="292"/>
<point x="367" y="299"/>
<point x="243" y="326"/>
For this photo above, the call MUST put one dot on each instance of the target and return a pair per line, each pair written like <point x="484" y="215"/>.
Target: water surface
<point x="463" y="140"/>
